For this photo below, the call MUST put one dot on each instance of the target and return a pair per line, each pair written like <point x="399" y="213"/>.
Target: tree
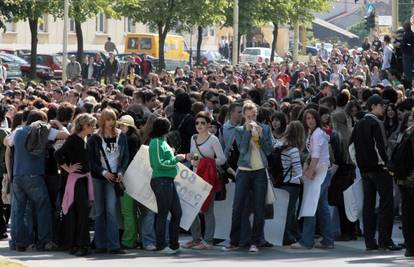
<point x="203" y="13"/>
<point x="248" y="17"/>
<point x="276" y="12"/>
<point x="162" y="14"/>
<point x="31" y="10"/>
<point x="81" y="11"/>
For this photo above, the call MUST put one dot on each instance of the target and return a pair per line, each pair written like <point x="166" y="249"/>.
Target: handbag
<point x="118" y="186"/>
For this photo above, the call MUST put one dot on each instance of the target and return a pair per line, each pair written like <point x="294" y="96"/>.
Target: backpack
<point x="402" y="159"/>
<point x="174" y="136"/>
<point x="275" y="166"/>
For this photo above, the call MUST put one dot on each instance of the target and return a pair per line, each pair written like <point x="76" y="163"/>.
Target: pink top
<point x="70" y="190"/>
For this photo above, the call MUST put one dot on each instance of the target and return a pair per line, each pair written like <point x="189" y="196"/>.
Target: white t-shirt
<point x="318" y="146"/>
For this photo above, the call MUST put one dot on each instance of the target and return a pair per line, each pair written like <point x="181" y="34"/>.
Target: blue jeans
<point x="31" y="188"/>
<point x="167" y="202"/>
<point x="246" y="227"/>
<point x="324" y="216"/>
<point x="106" y="222"/>
<point x="246" y="181"/>
<point x="291" y="234"/>
<point x="147" y="231"/>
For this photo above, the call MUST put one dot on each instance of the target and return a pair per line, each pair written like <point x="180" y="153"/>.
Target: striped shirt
<point x="292" y="166"/>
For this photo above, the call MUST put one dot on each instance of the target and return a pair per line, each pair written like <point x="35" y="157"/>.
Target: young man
<point x="29" y="183"/>
<point x="254" y="142"/>
<point x="369" y="141"/>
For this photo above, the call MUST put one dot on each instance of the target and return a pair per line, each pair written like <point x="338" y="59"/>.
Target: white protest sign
<point x="274" y="229"/>
<point x="137" y="180"/>
<point x="192" y="189"/>
<point x="312" y="191"/>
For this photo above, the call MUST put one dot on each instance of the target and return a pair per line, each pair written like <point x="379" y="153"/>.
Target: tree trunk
<point x="33" y="31"/>
<point x="162" y="34"/>
<point x="239" y="47"/>
<point x="79" y="38"/>
<point x="274" y="42"/>
<point x="199" y="41"/>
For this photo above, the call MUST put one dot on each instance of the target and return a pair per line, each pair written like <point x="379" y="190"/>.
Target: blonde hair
<point x="81" y="121"/>
<point x="249" y="105"/>
<point x="106" y="115"/>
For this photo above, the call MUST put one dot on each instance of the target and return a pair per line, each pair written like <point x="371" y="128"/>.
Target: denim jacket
<point x="243" y="144"/>
<point x="94" y="143"/>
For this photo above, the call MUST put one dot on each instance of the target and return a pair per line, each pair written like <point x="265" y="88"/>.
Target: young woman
<point x="343" y="172"/>
<point x="316" y="171"/>
<point x="73" y="158"/>
<point x="108" y="151"/>
<point x="206" y="154"/>
<point x="164" y="169"/>
<point x="128" y="204"/>
<point x="278" y="128"/>
<point x="294" y="139"/>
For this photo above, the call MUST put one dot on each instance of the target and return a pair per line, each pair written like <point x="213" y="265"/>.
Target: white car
<point x="258" y="55"/>
<point x="327" y="46"/>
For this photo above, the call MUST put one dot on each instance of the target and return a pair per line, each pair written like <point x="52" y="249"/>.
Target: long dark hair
<point x="315" y="115"/>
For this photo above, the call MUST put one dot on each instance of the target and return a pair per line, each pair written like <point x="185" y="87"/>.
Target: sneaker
<point x="190" y="244"/>
<point x="167" y="251"/>
<point x="202" y="245"/>
<point x="323" y="246"/>
<point x="229" y="248"/>
<point x="253" y="249"/>
<point x="150" y="247"/>
<point x="298" y="245"/>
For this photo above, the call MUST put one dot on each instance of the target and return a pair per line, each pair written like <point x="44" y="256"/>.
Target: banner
<point x="274" y="228"/>
<point x="192" y="189"/>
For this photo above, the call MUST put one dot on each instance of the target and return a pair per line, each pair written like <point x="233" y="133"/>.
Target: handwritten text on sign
<point x="192" y="189"/>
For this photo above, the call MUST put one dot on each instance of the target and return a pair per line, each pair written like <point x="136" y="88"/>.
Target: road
<point x="345" y="254"/>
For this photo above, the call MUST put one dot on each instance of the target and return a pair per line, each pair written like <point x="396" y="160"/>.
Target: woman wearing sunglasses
<point x="206" y="154"/>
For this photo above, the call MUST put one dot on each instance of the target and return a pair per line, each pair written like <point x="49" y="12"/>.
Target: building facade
<point x="96" y="31"/>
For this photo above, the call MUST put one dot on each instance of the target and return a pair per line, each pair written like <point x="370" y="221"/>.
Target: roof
<point x="335" y="28"/>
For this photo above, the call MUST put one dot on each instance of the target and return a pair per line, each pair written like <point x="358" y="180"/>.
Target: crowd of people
<point x="65" y="148"/>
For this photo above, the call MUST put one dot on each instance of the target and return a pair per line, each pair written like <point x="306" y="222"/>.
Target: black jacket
<point x="369" y="140"/>
<point x="407" y="44"/>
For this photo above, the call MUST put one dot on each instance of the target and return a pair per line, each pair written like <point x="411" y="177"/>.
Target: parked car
<point x="210" y="58"/>
<point x="13" y="68"/>
<point x="42" y="72"/>
<point x="52" y="61"/>
<point x="16" y="52"/>
<point x="310" y="50"/>
<point x="328" y="47"/>
<point x="258" y="55"/>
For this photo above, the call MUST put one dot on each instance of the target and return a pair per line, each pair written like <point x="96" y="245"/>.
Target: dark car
<point x="52" y="61"/>
<point x="42" y="72"/>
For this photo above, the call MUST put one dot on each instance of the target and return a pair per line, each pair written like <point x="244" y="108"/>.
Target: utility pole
<point x="65" y="39"/>
<point x="235" y="50"/>
<point x="394" y="15"/>
<point x="295" y="41"/>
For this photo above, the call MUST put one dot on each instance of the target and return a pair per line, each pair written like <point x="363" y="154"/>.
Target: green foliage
<point x="404" y="10"/>
<point x="359" y="29"/>
<point x="301" y="11"/>
<point x="82" y="10"/>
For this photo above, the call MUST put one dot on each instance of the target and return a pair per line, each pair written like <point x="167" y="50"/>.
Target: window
<point x="139" y="43"/>
<point x="129" y="25"/>
<point x="101" y="22"/>
<point x="42" y="24"/>
<point x="253" y="52"/>
<point x="71" y="25"/>
<point x="10" y="26"/>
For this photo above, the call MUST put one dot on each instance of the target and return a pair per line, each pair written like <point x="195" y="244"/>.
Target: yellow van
<point x="174" y="49"/>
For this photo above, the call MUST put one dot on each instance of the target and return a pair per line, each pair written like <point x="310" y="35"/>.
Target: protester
<point x="164" y="169"/>
<point x="74" y="160"/>
<point x="108" y="151"/>
<point x="206" y="155"/>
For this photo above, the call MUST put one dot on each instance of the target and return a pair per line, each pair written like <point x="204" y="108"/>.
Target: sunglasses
<point x="200" y="122"/>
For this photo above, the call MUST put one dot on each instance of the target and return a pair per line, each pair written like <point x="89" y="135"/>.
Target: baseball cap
<point x="375" y="100"/>
<point x="326" y="83"/>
